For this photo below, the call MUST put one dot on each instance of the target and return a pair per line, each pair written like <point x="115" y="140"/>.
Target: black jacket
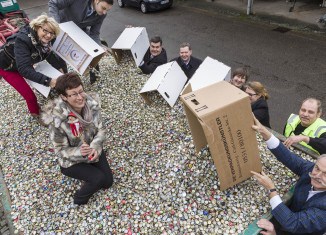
<point x="150" y="64"/>
<point x="260" y="110"/>
<point x="22" y="50"/>
<point x="192" y="66"/>
<point x="319" y="144"/>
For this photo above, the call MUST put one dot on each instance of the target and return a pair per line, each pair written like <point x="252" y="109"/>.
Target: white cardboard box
<point x="77" y="48"/>
<point x="133" y="39"/>
<point x="46" y="69"/>
<point x="209" y="72"/>
<point x="168" y="79"/>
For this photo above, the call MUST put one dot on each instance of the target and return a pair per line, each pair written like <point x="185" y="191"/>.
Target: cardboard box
<point x="46" y="69"/>
<point x="168" y="79"/>
<point x="133" y="40"/>
<point x="209" y="72"/>
<point x="77" y="48"/>
<point x="220" y="115"/>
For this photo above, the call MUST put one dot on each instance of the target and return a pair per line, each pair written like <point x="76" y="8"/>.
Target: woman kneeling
<point x="77" y="133"/>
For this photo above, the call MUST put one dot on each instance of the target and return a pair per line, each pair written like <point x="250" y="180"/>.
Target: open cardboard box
<point x="46" y="69"/>
<point x="220" y="115"/>
<point x="77" y="48"/>
<point x="135" y="40"/>
<point x="210" y="71"/>
<point x="168" y="79"/>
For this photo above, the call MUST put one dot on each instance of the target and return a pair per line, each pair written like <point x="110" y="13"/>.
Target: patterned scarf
<point x="87" y="116"/>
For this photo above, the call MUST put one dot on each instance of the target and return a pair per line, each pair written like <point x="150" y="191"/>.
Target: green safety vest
<point x="313" y="131"/>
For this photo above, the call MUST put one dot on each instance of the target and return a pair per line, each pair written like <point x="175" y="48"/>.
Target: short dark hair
<point x="110" y="2"/>
<point x="156" y="39"/>
<point x="185" y="44"/>
<point x="66" y="82"/>
<point x="241" y="72"/>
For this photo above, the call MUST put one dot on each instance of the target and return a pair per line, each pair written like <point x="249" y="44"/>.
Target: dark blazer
<point x="302" y="216"/>
<point x="260" y="109"/>
<point x="150" y="64"/>
<point x="192" y="66"/>
<point x="22" y="50"/>
<point x="76" y="10"/>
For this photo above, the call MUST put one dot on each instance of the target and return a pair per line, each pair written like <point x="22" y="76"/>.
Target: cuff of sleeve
<point x="47" y="81"/>
<point x="273" y="142"/>
<point x="275" y="201"/>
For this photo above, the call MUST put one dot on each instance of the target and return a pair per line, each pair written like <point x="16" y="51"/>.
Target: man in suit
<point x="154" y="56"/>
<point x="187" y="62"/>
<point x="306" y="213"/>
<point x="307" y="128"/>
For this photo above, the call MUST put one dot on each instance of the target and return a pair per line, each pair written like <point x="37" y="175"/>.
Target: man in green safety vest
<point x="307" y="128"/>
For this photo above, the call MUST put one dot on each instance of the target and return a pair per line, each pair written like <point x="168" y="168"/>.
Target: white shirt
<point x="273" y="143"/>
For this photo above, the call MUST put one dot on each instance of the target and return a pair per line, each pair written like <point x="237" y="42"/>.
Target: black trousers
<point x="95" y="175"/>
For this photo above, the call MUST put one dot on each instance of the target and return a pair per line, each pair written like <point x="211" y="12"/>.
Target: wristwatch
<point x="272" y="190"/>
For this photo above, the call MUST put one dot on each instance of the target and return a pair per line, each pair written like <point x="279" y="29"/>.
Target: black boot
<point x="94" y="74"/>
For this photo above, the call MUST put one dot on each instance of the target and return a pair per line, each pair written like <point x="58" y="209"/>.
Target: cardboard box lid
<point x="210" y="71"/>
<point x="128" y="37"/>
<point x="81" y="38"/>
<point x="46" y="69"/>
<point x="168" y="79"/>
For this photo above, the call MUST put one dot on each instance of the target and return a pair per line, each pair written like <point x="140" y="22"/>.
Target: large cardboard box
<point x="168" y="79"/>
<point x="220" y="115"/>
<point x="134" y="41"/>
<point x="209" y="72"/>
<point x="77" y="48"/>
<point x="48" y="70"/>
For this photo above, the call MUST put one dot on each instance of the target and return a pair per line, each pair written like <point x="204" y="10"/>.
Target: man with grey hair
<point x="187" y="62"/>
<point x="307" y="128"/>
<point x="306" y="213"/>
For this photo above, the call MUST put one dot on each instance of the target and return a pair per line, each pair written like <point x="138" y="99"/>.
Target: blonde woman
<point x="258" y="97"/>
<point x="30" y="45"/>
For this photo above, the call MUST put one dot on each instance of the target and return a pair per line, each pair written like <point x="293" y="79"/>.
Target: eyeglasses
<point x="251" y="95"/>
<point x="48" y="32"/>
<point x="75" y="95"/>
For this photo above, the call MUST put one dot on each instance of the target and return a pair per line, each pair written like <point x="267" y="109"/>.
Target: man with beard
<point x="307" y="128"/>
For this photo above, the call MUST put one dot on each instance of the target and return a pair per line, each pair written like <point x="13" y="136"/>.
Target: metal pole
<point x="249" y="7"/>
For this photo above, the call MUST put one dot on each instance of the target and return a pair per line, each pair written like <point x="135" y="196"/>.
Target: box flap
<point x="196" y="129"/>
<point x="128" y="37"/>
<point x="168" y="79"/>
<point x="46" y="69"/>
<point x="156" y="78"/>
<point x="209" y="72"/>
<point x="172" y="84"/>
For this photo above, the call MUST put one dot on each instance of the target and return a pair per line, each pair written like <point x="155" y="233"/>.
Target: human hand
<point x="85" y="150"/>
<point x="263" y="179"/>
<point x="261" y="129"/>
<point x="53" y="82"/>
<point x="266" y="225"/>
<point x="295" y="139"/>
<point x="93" y="155"/>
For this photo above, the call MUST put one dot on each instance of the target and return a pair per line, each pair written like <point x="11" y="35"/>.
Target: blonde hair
<point x="43" y="19"/>
<point x="259" y="89"/>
